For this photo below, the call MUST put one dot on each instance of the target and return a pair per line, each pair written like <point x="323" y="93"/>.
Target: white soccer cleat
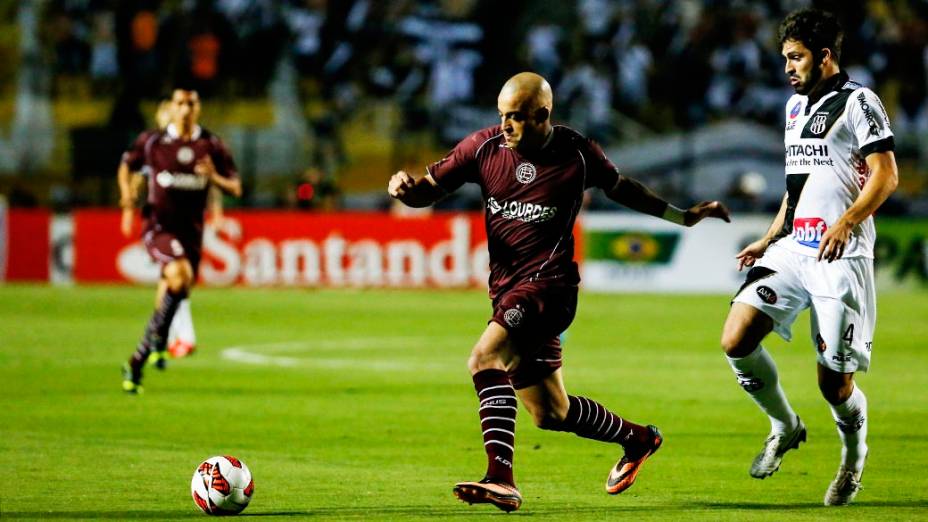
<point x="843" y="488"/>
<point x="768" y="461"/>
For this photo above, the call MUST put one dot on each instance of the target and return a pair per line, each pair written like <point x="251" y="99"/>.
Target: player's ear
<point x="542" y="114"/>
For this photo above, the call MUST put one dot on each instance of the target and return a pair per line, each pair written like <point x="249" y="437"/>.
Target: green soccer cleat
<point x="131" y="382"/>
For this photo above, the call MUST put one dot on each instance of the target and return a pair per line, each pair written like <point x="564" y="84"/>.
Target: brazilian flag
<point x="630" y="246"/>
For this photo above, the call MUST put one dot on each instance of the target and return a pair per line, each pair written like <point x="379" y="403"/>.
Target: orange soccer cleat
<point x="503" y="496"/>
<point x="180" y="349"/>
<point x="625" y="471"/>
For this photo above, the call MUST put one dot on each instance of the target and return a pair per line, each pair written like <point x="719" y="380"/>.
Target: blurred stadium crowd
<point x="362" y="87"/>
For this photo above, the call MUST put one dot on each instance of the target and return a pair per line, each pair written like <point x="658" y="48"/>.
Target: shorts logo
<point x="820" y="343"/>
<point x="185" y="155"/>
<point x="809" y="231"/>
<point x="177" y="248"/>
<point x="767" y="294"/>
<point x="525" y="173"/>
<point x="818" y="123"/>
<point x="513" y="317"/>
<point x="795" y="111"/>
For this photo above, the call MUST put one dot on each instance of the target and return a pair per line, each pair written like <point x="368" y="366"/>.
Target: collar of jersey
<point x="829" y="85"/>
<point x="171" y="131"/>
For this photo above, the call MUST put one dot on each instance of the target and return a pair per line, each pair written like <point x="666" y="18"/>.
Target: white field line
<point x="257" y="354"/>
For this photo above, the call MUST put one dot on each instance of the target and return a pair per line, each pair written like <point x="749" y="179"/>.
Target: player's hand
<point x="125" y="224"/>
<point x="834" y="241"/>
<point x="751" y="253"/>
<point x="205" y="167"/>
<point x="400" y="184"/>
<point x="705" y="209"/>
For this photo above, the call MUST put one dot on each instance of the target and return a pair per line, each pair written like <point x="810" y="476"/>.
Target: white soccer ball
<point x="222" y="486"/>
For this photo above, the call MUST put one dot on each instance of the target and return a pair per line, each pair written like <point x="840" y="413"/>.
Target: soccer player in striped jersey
<point x="818" y="252"/>
<point x="533" y="175"/>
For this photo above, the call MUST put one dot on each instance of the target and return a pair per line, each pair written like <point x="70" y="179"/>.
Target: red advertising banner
<point x="297" y="249"/>
<point x="28" y="247"/>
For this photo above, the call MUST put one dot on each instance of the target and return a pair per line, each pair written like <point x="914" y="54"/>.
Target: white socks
<point x="851" y="419"/>
<point x="182" y="325"/>
<point x="757" y="374"/>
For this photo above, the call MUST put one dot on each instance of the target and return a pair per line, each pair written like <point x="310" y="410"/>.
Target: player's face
<point x="185" y="108"/>
<point x="801" y="69"/>
<point x="522" y="129"/>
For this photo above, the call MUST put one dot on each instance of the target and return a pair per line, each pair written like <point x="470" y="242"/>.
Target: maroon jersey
<point x="531" y="202"/>
<point x="176" y="194"/>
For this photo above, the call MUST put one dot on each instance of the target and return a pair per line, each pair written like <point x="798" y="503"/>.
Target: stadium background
<point x="320" y="103"/>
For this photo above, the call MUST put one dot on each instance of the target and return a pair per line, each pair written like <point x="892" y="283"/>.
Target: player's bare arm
<point x="634" y="195"/>
<point x="884" y="177"/>
<point x="128" y="194"/>
<point x="412" y="192"/>
<point x="751" y="253"/>
<point x="214" y="202"/>
<point x="231" y="186"/>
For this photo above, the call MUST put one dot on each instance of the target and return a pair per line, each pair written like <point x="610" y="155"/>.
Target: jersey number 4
<point x="849" y="334"/>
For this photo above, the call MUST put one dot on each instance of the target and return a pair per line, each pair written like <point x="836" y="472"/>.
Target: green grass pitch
<point x="357" y="405"/>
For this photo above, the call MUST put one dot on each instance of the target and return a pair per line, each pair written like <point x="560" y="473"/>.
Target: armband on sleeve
<point x="674" y="214"/>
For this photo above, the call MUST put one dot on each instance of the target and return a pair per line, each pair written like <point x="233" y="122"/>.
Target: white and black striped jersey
<point x="827" y="141"/>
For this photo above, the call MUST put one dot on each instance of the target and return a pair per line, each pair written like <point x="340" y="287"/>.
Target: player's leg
<point x="745" y="328"/>
<point x="182" y="338"/>
<point x="843" y="321"/>
<point x="553" y="409"/>
<point x="771" y="297"/>
<point x="178" y="277"/>
<point x="497" y="408"/>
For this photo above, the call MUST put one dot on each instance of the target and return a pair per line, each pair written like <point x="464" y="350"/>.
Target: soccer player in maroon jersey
<point x="184" y="161"/>
<point x="533" y="175"/>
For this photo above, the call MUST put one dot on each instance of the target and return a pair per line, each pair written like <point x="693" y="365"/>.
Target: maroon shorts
<point x="165" y="247"/>
<point x="535" y="313"/>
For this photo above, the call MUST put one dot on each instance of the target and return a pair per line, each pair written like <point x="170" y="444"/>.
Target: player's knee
<point x="547" y="416"/>
<point x="178" y="275"/>
<point x="734" y="345"/>
<point x="483" y="358"/>
<point x="836" y="391"/>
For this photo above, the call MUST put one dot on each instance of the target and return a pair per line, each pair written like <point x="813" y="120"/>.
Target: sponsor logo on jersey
<point x="807" y="150"/>
<point x="525" y="173"/>
<point x="767" y="294"/>
<point x="842" y="357"/>
<point x="513" y="317"/>
<point x="185" y="155"/>
<point x="526" y="212"/>
<point x="795" y="110"/>
<point x="181" y="181"/>
<point x="809" y="231"/>
<point x="876" y="125"/>
<point x="818" y="123"/>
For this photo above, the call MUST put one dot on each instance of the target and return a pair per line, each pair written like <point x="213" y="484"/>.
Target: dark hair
<point x="816" y="29"/>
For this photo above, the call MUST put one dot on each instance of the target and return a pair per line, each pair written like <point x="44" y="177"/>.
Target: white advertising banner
<point x="637" y="253"/>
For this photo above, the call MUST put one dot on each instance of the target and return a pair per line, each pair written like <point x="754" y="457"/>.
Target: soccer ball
<point x="222" y="486"/>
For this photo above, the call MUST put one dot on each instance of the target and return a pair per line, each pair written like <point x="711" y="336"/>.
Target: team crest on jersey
<point x="795" y="111"/>
<point x="185" y="155"/>
<point x="525" y="173"/>
<point x="818" y="123"/>
<point x="513" y="317"/>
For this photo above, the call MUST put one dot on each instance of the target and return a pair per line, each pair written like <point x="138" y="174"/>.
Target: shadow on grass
<point x="773" y="506"/>
<point x="420" y="511"/>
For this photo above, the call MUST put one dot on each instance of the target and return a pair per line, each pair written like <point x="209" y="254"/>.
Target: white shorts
<point x="841" y="294"/>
